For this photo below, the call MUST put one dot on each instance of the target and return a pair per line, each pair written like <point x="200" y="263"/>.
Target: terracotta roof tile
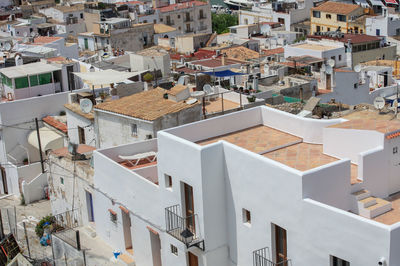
<point x="147" y="105"/>
<point x="55" y="123"/>
<point x="353" y="38"/>
<point x="45" y="39"/>
<point x="382" y="126"/>
<point x="279" y="50"/>
<point x="241" y="53"/>
<point x="181" y="6"/>
<point x="336" y="8"/>
<point x="177" y="89"/>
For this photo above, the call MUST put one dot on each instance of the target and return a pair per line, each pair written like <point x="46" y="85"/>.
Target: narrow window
<point x="394" y="150"/>
<point x="174" y="250"/>
<point x="168" y="181"/>
<point x="62" y="180"/>
<point x="113" y="216"/>
<point x="335" y="261"/>
<point x="134" y="130"/>
<point x="355" y="85"/>
<point x="246" y="216"/>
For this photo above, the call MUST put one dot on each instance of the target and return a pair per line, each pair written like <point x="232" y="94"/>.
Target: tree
<point x="222" y="22"/>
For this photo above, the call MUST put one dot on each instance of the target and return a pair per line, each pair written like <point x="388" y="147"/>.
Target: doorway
<point x="328" y="82"/>
<point x="71" y="79"/>
<point x="189" y="207"/>
<point x="4" y="179"/>
<point x="280" y="244"/>
<point x="126" y="225"/>
<point x="89" y="206"/>
<point x="155" y="248"/>
<point x="81" y="135"/>
<point x="193" y="260"/>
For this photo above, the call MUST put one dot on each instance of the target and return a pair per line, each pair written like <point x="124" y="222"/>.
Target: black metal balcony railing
<point x="189" y="30"/>
<point x="261" y="258"/>
<point x="182" y="228"/>
<point x="188" y="19"/>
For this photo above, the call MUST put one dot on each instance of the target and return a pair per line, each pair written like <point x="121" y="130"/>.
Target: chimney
<point x="223" y="59"/>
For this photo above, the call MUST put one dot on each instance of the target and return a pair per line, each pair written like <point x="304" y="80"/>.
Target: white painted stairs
<point x="369" y="206"/>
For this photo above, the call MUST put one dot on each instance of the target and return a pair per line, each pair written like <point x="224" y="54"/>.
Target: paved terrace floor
<point x="281" y="147"/>
<point x="393" y="216"/>
<point x="215" y="106"/>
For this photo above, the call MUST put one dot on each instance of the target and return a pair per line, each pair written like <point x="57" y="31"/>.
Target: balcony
<point x="202" y="17"/>
<point x="188" y="30"/>
<point x="170" y="22"/>
<point x="261" y="257"/>
<point x="201" y="28"/>
<point x="183" y="228"/>
<point x="188" y="19"/>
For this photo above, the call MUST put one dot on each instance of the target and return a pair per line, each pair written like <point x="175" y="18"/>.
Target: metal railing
<point x="69" y="219"/>
<point x="176" y="224"/>
<point x="170" y="22"/>
<point x="261" y="257"/>
<point x="188" y="19"/>
<point x="189" y="30"/>
<point x="202" y="16"/>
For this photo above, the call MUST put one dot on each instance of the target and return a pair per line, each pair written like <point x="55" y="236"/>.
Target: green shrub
<point x="39" y="230"/>
<point x="148" y="77"/>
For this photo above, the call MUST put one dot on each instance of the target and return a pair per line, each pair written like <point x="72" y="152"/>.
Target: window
<point x="113" y="216"/>
<point x="355" y="85"/>
<point x="341" y="18"/>
<point x="394" y="150"/>
<point x="316" y="14"/>
<point x="168" y="181"/>
<point x="34" y="80"/>
<point x="81" y="15"/>
<point x="6" y="80"/>
<point x="21" y="83"/>
<point x="246" y="216"/>
<point x="340" y="57"/>
<point x="45" y="78"/>
<point x="174" y="250"/>
<point x="62" y="181"/>
<point x="179" y="16"/>
<point x="246" y="21"/>
<point x="335" y="261"/>
<point x="328" y="16"/>
<point x="134" y="129"/>
<point x="318" y="28"/>
<point x="328" y="29"/>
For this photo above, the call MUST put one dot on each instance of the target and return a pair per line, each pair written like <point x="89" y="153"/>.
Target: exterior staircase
<point x="369" y="206"/>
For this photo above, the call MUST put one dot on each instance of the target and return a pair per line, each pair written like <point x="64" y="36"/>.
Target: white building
<point x="140" y="116"/>
<point x="30" y="80"/>
<point x="19" y="153"/>
<point x="257" y="187"/>
<point x="284" y="12"/>
<point x="152" y="59"/>
<point x="321" y="50"/>
<point x="386" y="24"/>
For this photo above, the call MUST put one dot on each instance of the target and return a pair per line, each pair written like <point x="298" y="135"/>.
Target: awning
<point x="224" y="73"/>
<point x="391" y="2"/>
<point x="49" y="139"/>
<point x="376" y="3"/>
<point x="108" y="76"/>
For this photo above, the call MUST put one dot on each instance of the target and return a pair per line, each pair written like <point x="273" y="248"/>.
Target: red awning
<point x="391" y="2"/>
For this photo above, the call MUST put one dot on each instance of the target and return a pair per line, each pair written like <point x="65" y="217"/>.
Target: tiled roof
<point x="82" y="148"/>
<point x="147" y="105"/>
<point x="216" y="62"/>
<point x="241" y="53"/>
<point x="162" y="28"/>
<point x="55" y="123"/>
<point x="130" y="3"/>
<point x="269" y="52"/>
<point x="177" y="89"/>
<point x="382" y="126"/>
<point x="74" y="107"/>
<point x="78" y="7"/>
<point x="181" y="6"/>
<point x="336" y="8"/>
<point x="45" y="39"/>
<point x="354" y="38"/>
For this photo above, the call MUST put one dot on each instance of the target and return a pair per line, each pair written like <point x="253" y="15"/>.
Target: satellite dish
<point x="379" y="102"/>
<point x="323" y="68"/>
<point x="33" y="34"/>
<point x="329" y="70"/>
<point x="191" y="101"/>
<point x="208" y="89"/>
<point x="357" y="68"/>
<point x="331" y="62"/>
<point x="7" y="46"/>
<point x="86" y="105"/>
<point x="181" y="80"/>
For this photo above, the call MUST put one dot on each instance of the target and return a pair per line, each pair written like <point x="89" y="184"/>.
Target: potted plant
<point x="251" y="99"/>
<point x="148" y="77"/>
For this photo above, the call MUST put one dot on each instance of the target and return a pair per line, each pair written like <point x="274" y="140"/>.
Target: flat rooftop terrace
<point x="316" y="47"/>
<point x="281" y="147"/>
<point x="392" y="216"/>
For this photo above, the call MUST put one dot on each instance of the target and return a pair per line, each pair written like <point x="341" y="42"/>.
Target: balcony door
<point x="189" y="207"/>
<point x="280" y="245"/>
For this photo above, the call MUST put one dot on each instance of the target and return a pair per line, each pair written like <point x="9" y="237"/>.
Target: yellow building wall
<point x="331" y="24"/>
